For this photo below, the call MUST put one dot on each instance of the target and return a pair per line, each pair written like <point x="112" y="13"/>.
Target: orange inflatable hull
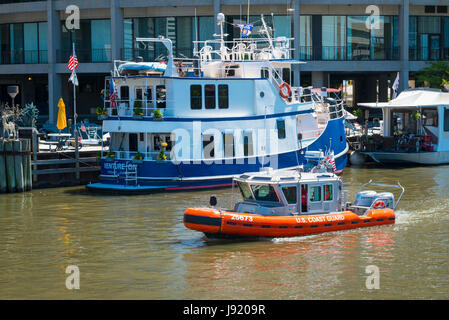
<point x="216" y="223"/>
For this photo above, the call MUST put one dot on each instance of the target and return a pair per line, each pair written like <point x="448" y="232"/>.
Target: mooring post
<point x="27" y="164"/>
<point x="2" y="167"/>
<point x="18" y="165"/>
<point x="35" y="149"/>
<point x="10" y="175"/>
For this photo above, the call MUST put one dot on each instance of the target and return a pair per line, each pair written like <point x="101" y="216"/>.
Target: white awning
<point x="412" y="99"/>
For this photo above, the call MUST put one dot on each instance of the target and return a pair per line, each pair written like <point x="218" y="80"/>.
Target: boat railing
<point x="240" y="49"/>
<point x="123" y="108"/>
<point x="385" y="185"/>
<point x="129" y="155"/>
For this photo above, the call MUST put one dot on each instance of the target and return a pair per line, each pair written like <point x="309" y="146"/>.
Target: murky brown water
<point x="138" y="248"/>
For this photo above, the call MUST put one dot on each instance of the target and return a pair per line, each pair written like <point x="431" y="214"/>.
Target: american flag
<point x="331" y="160"/>
<point x="113" y="95"/>
<point x="73" y="61"/>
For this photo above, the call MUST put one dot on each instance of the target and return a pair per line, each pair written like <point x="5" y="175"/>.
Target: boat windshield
<point x="245" y="191"/>
<point x="264" y="193"/>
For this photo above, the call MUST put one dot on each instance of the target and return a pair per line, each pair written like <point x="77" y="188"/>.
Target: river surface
<point x="136" y="247"/>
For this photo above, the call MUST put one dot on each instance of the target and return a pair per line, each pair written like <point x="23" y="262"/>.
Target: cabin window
<point x="290" y="194"/>
<point x="246" y="192"/>
<point x="280" y="124"/>
<point x="195" y="96"/>
<point x="124" y="94"/>
<point x="209" y="96"/>
<point x="328" y="194"/>
<point x="446" y="119"/>
<point x="315" y="193"/>
<point x="208" y="146"/>
<point x="248" y="144"/>
<point x="141" y="136"/>
<point x="228" y="142"/>
<point x="139" y="94"/>
<point x="264" y="73"/>
<point x="149" y="96"/>
<point x="159" y="138"/>
<point x="264" y="193"/>
<point x="223" y="96"/>
<point x="161" y="97"/>
<point x="132" y="142"/>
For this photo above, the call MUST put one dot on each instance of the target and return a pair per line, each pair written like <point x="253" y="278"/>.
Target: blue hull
<point x="154" y="176"/>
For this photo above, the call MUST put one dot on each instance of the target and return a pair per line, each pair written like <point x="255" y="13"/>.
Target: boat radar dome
<point x="220" y="18"/>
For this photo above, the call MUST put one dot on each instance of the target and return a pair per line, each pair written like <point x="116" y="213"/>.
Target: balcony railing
<point x="24" y="57"/>
<point x="428" y="54"/>
<point x="348" y="53"/>
<point x="91" y="55"/>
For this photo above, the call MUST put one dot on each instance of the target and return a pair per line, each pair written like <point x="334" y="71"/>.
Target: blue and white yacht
<point x="196" y="123"/>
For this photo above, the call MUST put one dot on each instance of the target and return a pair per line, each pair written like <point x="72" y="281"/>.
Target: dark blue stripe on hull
<point x="208" y="221"/>
<point x="167" y="175"/>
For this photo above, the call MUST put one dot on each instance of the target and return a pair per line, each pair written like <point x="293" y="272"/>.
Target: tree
<point x="436" y="74"/>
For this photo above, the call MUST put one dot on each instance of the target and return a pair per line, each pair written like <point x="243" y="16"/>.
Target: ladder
<point x="131" y="175"/>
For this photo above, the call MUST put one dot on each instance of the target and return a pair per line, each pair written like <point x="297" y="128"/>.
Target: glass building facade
<point x="322" y="37"/>
<point x="92" y="41"/>
<point x="23" y="43"/>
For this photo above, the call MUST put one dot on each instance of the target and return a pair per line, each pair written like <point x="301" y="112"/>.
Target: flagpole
<point x="75" y="129"/>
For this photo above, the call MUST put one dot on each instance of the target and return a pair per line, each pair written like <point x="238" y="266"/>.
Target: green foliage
<point x="357" y="113"/>
<point x="435" y="75"/>
<point x="157" y="114"/>
<point x="30" y="114"/>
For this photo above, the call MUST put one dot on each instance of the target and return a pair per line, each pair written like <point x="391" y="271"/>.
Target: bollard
<point x="10" y="175"/>
<point x="2" y="167"/>
<point x="18" y="165"/>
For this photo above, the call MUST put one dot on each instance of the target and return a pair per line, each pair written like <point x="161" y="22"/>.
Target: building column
<point x="54" y="44"/>
<point x="117" y="30"/>
<point x="296" y="53"/>
<point x="404" y="14"/>
<point x="318" y="79"/>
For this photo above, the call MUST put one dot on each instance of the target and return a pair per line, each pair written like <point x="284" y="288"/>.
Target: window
<point x="264" y="193"/>
<point x="248" y="144"/>
<point x="195" y="96"/>
<point x="290" y="194"/>
<point x="446" y="119"/>
<point x="132" y="142"/>
<point x="228" y="142"/>
<point x="124" y="94"/>
<point x="208" y="146"/>
<point x="223" y="96"/>
<point x="429" y="9"/>
<point x="139" y="94"/>
<point x="246" y="192"/>
<point x="264" y="73"/>
<point x="281" y="128"/>
<point x="328" y="195"/>
<point x="209" y="96"/>
<point x="286" y="75"/>
<point x="161" y="97"/>
<point x="315" y="193"/>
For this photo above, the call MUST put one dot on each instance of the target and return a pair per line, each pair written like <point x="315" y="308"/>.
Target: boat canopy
<point x="412" y="99"/>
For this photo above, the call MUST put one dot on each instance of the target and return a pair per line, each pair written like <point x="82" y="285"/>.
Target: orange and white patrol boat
<point x="293" y="203"/>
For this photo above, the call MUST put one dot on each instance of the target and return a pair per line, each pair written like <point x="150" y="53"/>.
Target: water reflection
<point x="138" y="248"/>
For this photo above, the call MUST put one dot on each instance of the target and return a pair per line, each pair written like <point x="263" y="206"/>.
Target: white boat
<point x="202" y="121"/>
<point x="415" y="128"/>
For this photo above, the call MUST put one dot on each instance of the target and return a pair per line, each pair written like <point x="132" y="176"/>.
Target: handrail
<point x="386" y="185"/>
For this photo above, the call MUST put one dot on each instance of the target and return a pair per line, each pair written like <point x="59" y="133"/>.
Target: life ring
<point x="379" y="205"/>
<point x="285" y="90"/>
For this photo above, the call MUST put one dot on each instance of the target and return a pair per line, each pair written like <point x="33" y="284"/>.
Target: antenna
<point x="196" y="33"/>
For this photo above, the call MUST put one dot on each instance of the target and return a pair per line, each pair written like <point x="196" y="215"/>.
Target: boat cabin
<point x="290" y="192"/>
<point x="416" y="121"/>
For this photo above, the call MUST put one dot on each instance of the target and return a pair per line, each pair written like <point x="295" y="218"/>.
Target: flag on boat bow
<point x="246" y="30"/>
<point x="331" y="160"/>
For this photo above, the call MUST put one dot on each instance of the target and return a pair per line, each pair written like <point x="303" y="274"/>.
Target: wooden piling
<point x="18" y="165"/>
<point x="27" y="172"/>
<point x="2" y="167"/>
<point x="10" y="175"/>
